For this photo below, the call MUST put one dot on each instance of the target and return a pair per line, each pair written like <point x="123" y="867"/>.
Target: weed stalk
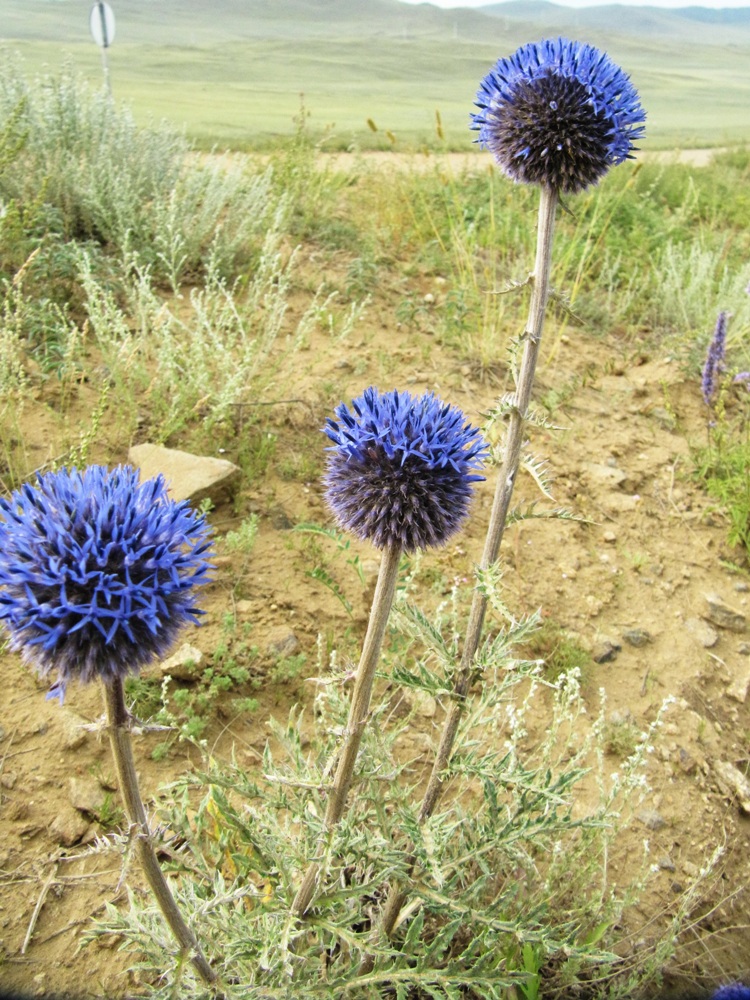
<point x="118" y="720"/>
<point x="504" y="490"/>
<point x="358" y="712"/>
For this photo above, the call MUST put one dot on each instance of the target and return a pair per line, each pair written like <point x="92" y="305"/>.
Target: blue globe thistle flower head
<point x="401" y="470"/>
<point x="558" y="113"/>
<point x="97" y="572"/>
<point x="732" y="991"/>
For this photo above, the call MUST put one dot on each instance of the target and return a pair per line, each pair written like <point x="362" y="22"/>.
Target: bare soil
<point x="653" y="547"/>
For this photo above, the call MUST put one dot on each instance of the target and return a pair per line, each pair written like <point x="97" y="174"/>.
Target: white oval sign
<point x="102" y="23"/>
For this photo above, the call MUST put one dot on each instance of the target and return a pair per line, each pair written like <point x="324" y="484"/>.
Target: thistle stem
<point x="122" y="751"/>
<point x="358" y="712"/>
<point x="503" y="493"/>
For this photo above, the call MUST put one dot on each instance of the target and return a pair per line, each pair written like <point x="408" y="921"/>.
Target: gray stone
<point x="666" y="864"/>
<point x="86" y="795"/>
<point x="184" y="665"/>
<point x="637" y="637"/>
<point x="721" y="614"/>
<point x="603" y="475"/>
<point x="282" y="642"/>
<point x="605" y="651"/>
<point x="189" y="477"/>
<point x="739" y="687"/>
<point x="741" y="587"/>
<point x="651" y="819"/>
<point x="686" y="761"/>
<point x="73" y="734"/>
<point x="423" y="703"/>
<point x="68" y="826"/>
<point x="733" y="783"/>
<point x="706" y="636"/>
<point x="744" y="649"/>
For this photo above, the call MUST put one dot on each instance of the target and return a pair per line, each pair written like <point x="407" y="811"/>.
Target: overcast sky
<point x="598" y="3"/>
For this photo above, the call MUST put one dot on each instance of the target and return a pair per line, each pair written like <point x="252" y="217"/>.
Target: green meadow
<point x="233" y="76"/>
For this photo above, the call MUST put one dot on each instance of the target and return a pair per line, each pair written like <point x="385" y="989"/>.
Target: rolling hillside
<point x="233" y="72"/>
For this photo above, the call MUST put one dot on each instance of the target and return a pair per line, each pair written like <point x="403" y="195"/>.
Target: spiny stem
<point x="119" y="736"/>
<point x="501" y="504"/>
<point x="358" y="712"/>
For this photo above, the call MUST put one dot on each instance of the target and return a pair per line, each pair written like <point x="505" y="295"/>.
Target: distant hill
<point x="232" y="71"/>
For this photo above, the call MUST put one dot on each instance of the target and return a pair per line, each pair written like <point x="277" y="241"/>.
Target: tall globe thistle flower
<point x="401" y="472"/>
<point x="401" y="469"/>
<point x="97" y="573"/>
<point x="558" y="113"/>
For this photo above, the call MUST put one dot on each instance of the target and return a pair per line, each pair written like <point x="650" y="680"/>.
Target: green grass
<point x="236" y="80"/>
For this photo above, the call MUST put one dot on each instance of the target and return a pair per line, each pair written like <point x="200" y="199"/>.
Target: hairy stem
<point x="358" y="712"/>
<point x="119" y="736"/>
<point x="501" y="504"/>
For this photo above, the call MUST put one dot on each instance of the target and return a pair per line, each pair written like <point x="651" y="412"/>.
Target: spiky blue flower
<point x="732" y="991"/>
<point x="558" y="113"/>
<point x="714" y="366"/>
<point x="401" y="469"/>
<point x="97" y="571"/>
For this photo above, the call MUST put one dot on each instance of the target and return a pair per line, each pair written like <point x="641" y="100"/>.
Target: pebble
<point x="651" y="819"/>
<point x="637" y="637"/>
<point x="666" y="864"/>
<point x="609" y="537"/>
<point x="724" y="616"/>
<point x="741" y="587"/>
<point x="739" y="687"/>
<point x="86" y="795"/>
<point x="183" y="665"/>
<point x="605" y="651"/>
<point x="706" y="636"/>
<point x="73" y="734"/>
<point x="69" y="826"/>
<point x="733" y="783"/>
<point x="282" y="642"/>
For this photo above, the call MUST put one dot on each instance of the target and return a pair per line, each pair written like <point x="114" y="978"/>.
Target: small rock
<point x="739" y="687"/>
<point x="686" y="761"/>
<point x="741" y="587"/>
<point x="282" y="642"/>
<point x="603" y="475"/>
<point x="651" y="819"/>
<point x="690" y="869"/>
<point x="609" y="537"/>
<point x="423" y="703"/>
<point x="605" y="651"/>
<point x="666" y="864"/>
<point x="663" y="417"/>
<point x="744" y="649"/>
<point x="721" y="614"/>
<point x="733" y="783"/>
<point x="184" y="665"/>
<point x="73" y="734"/>
<point x="189" y="477"/>
<point x="68" y="826"/>
<point x="244" y="607"/>
<point x="706" y="636"/>
<point x="86" y="795"/>
<point x="637" y="637"/>
<point x="8" y="779"/>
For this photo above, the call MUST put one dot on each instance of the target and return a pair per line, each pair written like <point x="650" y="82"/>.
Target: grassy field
<point x="235" y="79"/>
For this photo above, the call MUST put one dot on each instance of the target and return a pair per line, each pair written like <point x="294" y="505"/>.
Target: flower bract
<point x="558" y="113"/>
<point x="97" y="571"/>
<point x="401" y="469"/>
